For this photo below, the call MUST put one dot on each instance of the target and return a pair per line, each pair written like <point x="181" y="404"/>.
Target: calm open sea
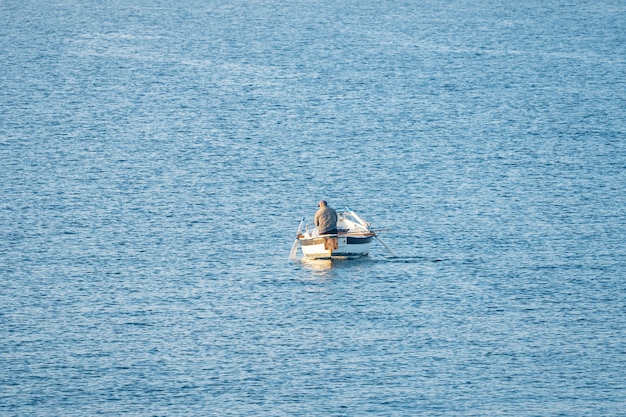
<point x="156" y="159"/>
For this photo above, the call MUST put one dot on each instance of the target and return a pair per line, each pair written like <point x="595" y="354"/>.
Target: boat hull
<point x="336" y="246"/>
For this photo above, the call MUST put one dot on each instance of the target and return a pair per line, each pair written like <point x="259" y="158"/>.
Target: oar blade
<point x="391" y="251"/>
<point x="294" y="250"/>
<point x="294" y="247"/>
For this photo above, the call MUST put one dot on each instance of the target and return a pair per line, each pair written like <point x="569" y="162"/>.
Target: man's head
<point x="322" y="203"/>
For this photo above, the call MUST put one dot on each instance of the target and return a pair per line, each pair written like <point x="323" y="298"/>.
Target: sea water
<point x="156" y="159"/>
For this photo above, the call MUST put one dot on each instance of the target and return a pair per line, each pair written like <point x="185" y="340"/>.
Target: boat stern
<point x="335" y="246"/>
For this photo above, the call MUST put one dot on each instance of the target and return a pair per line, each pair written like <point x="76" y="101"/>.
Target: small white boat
<point x="353" y="239"/>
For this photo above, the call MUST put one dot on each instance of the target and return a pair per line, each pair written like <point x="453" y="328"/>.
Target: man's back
<point x="326" y="220"/>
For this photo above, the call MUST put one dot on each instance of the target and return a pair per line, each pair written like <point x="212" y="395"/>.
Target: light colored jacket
<point x="325" y="219"/>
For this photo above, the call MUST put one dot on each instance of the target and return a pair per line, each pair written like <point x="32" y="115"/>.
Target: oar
<point x="358" y="219"/>
<point x="294" y="247"/>
<point x="366" y="225"/>
<point x="391" y="251"/>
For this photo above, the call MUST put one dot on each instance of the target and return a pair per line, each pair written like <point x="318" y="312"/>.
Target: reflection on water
<point x="322" y="270"/>
<point x="321" y="273"/>
<point x="333" y="264"/>
<point x="317" y="264"/>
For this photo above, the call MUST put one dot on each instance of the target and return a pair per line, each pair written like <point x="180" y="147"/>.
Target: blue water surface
<point x="156" y="159"/>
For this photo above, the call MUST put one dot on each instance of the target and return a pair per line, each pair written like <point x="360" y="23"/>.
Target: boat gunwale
<point x="317" y="240"/>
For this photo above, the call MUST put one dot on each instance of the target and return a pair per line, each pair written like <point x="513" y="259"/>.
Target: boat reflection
<point x="317" y="265"/>
<point x="327" y="265"/>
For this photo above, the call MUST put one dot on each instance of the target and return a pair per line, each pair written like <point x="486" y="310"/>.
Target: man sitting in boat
<point x="326" y="219"/>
